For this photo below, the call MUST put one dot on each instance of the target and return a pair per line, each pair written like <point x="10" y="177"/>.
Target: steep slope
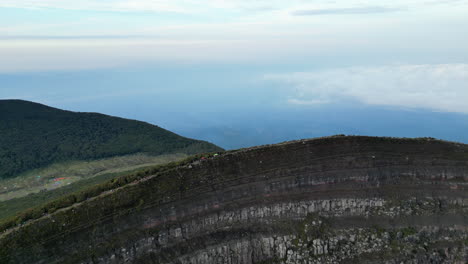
<point x="34" y="135"/>
<point x="327" y="200"/>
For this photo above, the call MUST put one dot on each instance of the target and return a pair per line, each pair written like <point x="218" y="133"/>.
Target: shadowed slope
<point x="35" y="135"/>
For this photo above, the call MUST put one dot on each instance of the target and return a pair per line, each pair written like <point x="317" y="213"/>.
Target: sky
<point x="242" y="73"/>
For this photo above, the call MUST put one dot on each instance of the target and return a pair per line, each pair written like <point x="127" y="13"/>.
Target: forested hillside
<point x="34" y="135"/>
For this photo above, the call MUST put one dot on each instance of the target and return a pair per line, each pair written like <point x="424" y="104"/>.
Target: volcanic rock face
<point x="329" y="200"/>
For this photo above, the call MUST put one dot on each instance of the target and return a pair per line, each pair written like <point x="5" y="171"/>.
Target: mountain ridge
<point x="36" y="135"/>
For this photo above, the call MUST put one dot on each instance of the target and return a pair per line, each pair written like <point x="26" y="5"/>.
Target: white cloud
<point x="442" y="87"/>
<point x="346" y="11"/>
<point x="49" y="54"/>
<point x="112" y="5"/>
<point x="227" y="31"/>
<point x="190" y="6"/>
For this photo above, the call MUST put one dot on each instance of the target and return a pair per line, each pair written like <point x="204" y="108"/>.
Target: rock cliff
<point x="328" y="200"/>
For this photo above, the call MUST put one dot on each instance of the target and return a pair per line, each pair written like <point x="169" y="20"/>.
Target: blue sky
<point x="241" y="72"/>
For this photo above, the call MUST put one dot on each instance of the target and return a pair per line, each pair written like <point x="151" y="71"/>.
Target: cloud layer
<point x="179" y="5"/>
<point x="442" y="87"/>
<point x="346" y="11"/>
<point x="46" y="35"/>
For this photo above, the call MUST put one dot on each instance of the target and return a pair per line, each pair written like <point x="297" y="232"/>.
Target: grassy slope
<point x="13" y="207"/>
<point x="45" y="179"/>
<point x="33" y="136"/>
<point x="17" y="211"/>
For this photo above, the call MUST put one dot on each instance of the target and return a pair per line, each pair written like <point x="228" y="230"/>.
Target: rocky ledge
<point x="329" y="200"/>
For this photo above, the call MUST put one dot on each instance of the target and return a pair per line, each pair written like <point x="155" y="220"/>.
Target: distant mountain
<point x="33" y="135"/>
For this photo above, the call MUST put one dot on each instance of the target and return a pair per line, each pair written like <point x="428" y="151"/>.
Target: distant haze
<point x="241" y="73"/>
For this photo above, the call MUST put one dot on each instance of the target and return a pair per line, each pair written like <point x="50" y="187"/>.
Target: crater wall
<point x="328" y="200"/>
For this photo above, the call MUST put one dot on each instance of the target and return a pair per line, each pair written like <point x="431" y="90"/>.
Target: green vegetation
<point x="11" y="207"/>
<point x="14" y="206"/>
<point x="408" y="231"/>
<point x="43" y="179"/>
<point x="49" y="202"/>
<point x="34" y="136"/>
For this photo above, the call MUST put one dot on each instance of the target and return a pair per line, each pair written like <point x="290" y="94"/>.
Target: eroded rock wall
<point x="332" y="200"/>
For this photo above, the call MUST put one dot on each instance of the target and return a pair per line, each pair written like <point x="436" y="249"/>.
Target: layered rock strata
<point x="328" y="200"/>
